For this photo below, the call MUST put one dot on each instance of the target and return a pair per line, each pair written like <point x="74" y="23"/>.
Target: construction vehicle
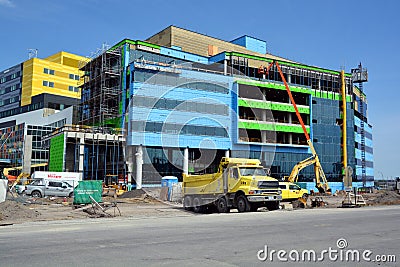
<point x="113" y="183"/>
<point x="321" y="183"/>
<point x="25" y="177"/>
<point x="291" y="191"/>
<point x="239" y="183"/>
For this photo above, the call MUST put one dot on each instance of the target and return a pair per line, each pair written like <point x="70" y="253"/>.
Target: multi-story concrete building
<point x="187" y="99"/>
<point x="36" y="97"/>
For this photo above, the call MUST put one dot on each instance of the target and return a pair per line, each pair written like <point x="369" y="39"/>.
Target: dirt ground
<point x="137" y="203"/>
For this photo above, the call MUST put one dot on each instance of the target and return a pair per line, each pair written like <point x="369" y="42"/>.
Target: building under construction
<point x="184" y="100"/>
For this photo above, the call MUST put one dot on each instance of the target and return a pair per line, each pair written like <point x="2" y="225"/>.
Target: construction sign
<point x="87" y="189"/>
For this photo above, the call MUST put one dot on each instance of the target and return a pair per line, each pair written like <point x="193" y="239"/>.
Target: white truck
<point x="60" y="184"/>
<point x="72" y="178"/>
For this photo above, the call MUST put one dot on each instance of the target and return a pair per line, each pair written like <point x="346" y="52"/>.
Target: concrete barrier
<point x="3" y="189"/>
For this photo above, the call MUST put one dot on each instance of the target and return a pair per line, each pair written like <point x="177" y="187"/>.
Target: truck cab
<point x="291" y="191"/>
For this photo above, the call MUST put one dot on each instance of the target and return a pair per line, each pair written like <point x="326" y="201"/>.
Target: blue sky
<point x="328" y="34"/>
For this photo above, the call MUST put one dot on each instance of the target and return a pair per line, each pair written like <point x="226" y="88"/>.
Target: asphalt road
<point x="206" y="240"/>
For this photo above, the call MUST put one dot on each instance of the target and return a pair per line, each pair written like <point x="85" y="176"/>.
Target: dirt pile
<point x="137" y="193"/>
<point x="382" y="198"/>
<point x="11" y="211"/>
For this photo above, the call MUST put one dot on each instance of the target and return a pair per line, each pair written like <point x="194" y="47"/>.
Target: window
<point x="55" y="184"/>
<point x="235" y="173"/>
<point x="74" y="77"/>
<point x="48" y="84"/>
<point x="294" y="187"/>
<point x="73" y="89"/>
<point x="3" y="80"/>
<point x="48" y="71"/>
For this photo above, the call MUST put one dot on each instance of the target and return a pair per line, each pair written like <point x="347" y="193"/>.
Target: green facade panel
<point x="56" y="161"/>
<point x="271" y="127"/>
<point x="272" y="106"/>
<point x="275" y="86"/>
<point x="330" y="95"/>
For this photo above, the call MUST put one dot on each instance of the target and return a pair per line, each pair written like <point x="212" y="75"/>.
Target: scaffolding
<point x="101" y="89"/>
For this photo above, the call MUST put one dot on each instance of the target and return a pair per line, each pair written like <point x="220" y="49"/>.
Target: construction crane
<point x="321" y="183"/>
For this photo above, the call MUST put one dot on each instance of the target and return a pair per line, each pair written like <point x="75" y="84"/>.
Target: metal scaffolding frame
<point x="101" y="90"/>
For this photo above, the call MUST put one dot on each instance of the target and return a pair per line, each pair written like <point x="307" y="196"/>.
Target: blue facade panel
<point x="183" y="55"/>
<point x="193" y="114"/>
<point x="217" y="58"/>
<point x="252" y="44"/>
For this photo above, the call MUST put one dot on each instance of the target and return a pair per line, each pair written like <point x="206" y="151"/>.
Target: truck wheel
<point x="187" y="203"/>
<point x="197" y="207"/>
<point x="242" y="204"/>
<point x="273" y="205"/>
<point x="222" y="205"/>
<point x="36" y="194"/>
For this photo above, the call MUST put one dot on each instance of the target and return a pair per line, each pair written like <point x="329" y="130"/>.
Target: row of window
<point x="10" y="77"/>
<point x="10" y="89"/>
<point x="9" y="101"/>
<point x="172" y="104"/>
<point x="73" y="88"/>
<point x="48" y="84"/>
<point x="19" y="110"/>
<point x="48" y="71"/>
<point x="172" y="128"/>
<point x="173" y="80"/>
<point x="74" y="77"/>
<point x="51" y="72"/>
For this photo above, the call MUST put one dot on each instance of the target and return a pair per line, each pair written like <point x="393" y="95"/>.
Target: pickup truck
<point x="40" y="188"/>
<point x="291" y="191"/>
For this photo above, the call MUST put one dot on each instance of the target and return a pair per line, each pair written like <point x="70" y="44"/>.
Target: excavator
<point x="320" y="178"/>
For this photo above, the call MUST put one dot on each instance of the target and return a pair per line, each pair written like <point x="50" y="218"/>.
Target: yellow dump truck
<point x="239" y="183"/>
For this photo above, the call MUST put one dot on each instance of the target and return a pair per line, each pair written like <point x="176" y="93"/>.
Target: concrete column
<point x="81" y="154"/>
<point x="139" y="163"/>
<point x="290" y="137"/>
<point x="263" y="136"/>
<point x="225" y="67"/>
<point x="27" y="157"/>
<point x="289" y="78"/>
<point x="186" y="160"/>
<point x="264" y="115"/>
<point x="227" y="153"/>
<point x="128" y="152"/>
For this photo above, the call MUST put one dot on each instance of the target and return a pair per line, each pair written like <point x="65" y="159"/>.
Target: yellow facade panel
<point x="54" y="75"/>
